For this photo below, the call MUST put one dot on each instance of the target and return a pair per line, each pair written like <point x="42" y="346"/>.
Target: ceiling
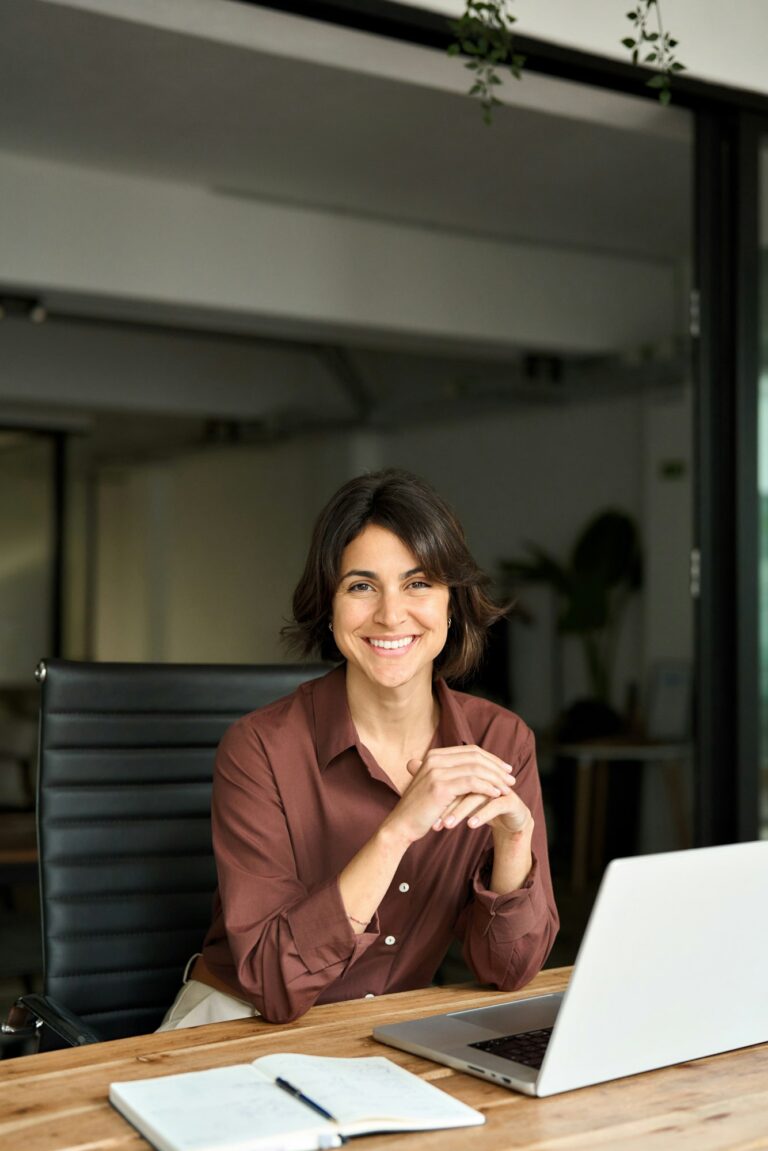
<point x="251" y="103"/>
<point x="97" y="89"/>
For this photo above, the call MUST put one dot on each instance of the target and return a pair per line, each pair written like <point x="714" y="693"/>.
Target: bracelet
<point x="359" y="922"/>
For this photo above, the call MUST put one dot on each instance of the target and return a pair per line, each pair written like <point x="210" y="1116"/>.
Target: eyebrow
<point x="372" y="575"/>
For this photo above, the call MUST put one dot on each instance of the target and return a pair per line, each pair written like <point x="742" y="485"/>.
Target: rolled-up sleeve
<point x="508" y="937"/>
<point x="288" y="941"/>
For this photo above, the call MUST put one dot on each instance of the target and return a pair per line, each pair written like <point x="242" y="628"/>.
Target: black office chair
<point x="127" y="874"/>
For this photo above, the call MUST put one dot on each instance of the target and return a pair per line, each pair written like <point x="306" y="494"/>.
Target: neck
<point x="401" y="715"/>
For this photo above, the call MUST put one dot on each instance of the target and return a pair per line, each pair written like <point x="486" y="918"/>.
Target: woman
<point x="362" y="822"/>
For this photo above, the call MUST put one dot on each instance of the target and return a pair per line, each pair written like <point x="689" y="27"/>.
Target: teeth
<point x="391" y="643"/>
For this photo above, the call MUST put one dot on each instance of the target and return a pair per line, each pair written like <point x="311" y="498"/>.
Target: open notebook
<point x="290" y="1102"/>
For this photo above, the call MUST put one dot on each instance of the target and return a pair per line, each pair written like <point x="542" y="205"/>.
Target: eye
<point x="360" y="586"/>
<point x="419" y="584"/>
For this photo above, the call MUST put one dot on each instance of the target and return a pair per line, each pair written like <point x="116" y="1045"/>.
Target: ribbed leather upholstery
<point x="127" y="873"/>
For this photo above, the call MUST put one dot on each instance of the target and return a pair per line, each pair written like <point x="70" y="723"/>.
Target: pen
<point x="294" y="1091"/>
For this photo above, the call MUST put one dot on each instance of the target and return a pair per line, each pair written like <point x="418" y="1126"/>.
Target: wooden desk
<point x="58" y="1101"/>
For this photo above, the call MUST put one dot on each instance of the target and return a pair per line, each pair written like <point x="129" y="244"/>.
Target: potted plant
<point x="593" y="586"/>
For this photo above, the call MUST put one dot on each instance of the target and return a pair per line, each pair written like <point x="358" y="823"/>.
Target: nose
<point x="390" y="609"/>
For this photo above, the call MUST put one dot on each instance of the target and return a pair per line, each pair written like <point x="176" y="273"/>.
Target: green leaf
<point x="453" y="49"/>
<point x="665" y="96"/>
<point x="628" y="42"/>
<point x="651" y="57"/>
<point x="676" y="67"/>
<point x="606" y="548"/>
<point x="657" y="82"/>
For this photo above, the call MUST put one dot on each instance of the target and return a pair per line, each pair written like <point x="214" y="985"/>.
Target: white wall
<point x="198" y="558"/>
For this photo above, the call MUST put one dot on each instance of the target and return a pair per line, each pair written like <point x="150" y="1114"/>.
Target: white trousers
<point x="197" y="1003"/>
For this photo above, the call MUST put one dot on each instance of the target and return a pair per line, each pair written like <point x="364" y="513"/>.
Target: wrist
<point x="518" y="840"/>
<point x="392" y="840"/>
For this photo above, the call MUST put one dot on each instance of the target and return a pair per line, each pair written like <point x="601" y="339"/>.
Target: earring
<point x="450" y="620"/>
<point x="330" y="626"/>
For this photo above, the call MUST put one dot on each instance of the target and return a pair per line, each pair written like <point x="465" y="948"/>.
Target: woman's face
<point x="389" y="620"/>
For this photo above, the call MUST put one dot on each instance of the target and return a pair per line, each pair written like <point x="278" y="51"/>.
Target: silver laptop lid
<point x="672" y="967"/>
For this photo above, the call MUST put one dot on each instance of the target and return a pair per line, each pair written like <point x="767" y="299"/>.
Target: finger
<point x="477" y="781"/>
<point x="509" y="808"/>
<point x="440" y="821"/>
<point x="461" y="810"/>
<point x="468" y="751"/>
<point x="464" y="805"/>
<point x="413" y="765"/>
<point x="472" y="762"/>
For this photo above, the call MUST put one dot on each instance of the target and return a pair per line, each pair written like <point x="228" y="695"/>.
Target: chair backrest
<point x="127" y="874"/>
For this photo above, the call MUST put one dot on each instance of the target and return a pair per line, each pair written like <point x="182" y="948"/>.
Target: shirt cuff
<point x="516" y="913"/>
<point x="322" y="932"/>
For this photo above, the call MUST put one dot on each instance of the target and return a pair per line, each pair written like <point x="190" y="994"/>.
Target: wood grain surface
<point x="58" y="1101"/>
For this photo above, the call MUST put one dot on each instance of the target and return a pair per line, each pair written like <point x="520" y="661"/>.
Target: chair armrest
<point x="44" y="1010"/>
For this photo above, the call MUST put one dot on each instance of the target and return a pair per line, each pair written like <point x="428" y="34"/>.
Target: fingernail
<point x="508" y="766"/>
<point x="449" y="822"/>
<point x="496" y="791"/>
<point x="473" y="821"/>
<point x="512" y="779"/>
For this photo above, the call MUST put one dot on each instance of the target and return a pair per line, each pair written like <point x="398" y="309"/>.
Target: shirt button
<point x="389" y="940"/>
<point x="405" y="887"/>
<point x="370" y="995"/>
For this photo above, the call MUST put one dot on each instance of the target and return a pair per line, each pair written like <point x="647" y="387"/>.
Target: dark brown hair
<point x="408" y="507"/>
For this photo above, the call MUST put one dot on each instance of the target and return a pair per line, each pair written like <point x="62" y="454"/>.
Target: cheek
<point x="347" y="615"/>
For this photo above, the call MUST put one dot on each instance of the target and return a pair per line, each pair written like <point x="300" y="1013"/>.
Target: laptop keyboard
<point x="528" y="1047"/>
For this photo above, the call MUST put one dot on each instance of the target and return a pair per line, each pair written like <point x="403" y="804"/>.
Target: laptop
<point x="673" y="966"/>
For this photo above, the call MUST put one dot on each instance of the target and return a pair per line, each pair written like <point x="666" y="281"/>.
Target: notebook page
<point x="232" y="1108"/>
<point x="370" y="1094"/>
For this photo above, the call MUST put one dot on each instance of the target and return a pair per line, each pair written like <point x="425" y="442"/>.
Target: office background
<point x="246" y="253"/>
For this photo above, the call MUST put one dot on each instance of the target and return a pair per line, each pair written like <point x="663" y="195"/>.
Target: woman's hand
<point x="456" y="783"/>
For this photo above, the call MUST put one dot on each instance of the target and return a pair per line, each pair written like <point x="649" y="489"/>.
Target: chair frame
<point x="126" y="756"/>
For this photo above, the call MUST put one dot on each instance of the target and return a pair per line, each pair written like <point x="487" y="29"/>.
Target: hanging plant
<point x="484" y="34"/>
<point x="658" y="46"/>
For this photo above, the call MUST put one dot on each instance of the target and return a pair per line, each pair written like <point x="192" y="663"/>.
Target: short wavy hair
<point x="406" y="505"/>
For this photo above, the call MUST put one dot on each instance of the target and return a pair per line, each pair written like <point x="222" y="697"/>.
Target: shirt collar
<point x="453" y="728"/>
<point x="335" y="731"/>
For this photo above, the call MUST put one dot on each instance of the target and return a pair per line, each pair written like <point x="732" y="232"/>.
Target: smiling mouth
<point x="391" y="644"/>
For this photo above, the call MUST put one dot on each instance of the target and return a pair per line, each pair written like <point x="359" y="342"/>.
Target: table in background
<point x="590" y="808"/>
<point x="58" y="1101"/>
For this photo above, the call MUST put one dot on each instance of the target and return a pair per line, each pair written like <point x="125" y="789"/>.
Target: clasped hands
<point x="453" y="784"/>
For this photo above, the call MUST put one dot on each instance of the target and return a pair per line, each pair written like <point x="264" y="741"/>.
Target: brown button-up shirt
<point x="295" y="796"/>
